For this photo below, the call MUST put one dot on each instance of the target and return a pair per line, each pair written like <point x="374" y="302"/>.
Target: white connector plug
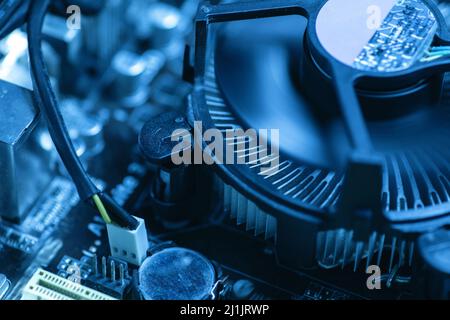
<point x="128" y="245"/>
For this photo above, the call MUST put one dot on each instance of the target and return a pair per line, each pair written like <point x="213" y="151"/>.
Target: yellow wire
<point x="101" y="208"/>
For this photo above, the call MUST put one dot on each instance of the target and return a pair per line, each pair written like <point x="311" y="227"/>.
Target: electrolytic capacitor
<point x="133" y="73"/>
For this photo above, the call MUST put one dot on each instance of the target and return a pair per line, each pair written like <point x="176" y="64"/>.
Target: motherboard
<point x="94" y="205"/>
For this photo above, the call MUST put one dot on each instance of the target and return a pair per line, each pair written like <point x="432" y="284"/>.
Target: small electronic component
<point x="111" y="277"/>
<point x="176" y="274"/>
<point x="316" y="291"/>
<point x="87" y="129"/>
<point x="128" y="245"/>
<point x="107" y="275"/>
<point x="133" y="74"/>
<point x="71" y="268"/>
<point x="45" y="285"/>
<point x="166" y="23"/>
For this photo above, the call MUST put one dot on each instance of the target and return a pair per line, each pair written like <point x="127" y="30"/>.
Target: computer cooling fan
<point x="359" y="93"/>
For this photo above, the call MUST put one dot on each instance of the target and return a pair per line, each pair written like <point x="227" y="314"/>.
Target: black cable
<point x="13" y="15"/>
<point x="49" y="105"/>
<point x="7" y="9"/>
<point x="55" y="122"/>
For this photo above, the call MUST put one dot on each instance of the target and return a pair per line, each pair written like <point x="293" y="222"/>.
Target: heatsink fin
<point x="338" y="248"/>
<point x="245" y="212"/>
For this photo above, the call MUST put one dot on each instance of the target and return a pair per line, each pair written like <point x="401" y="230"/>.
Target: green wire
<point x="101" y="208"/>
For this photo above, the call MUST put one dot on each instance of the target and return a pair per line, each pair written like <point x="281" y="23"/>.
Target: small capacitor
<point x="129" y="69"/>
<point x="83" y="127"/>
<point x="166" y="22"/>
<point x="133" y="73"/>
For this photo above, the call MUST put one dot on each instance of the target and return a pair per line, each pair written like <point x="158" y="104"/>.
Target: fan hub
<point x="376" y="35"/>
